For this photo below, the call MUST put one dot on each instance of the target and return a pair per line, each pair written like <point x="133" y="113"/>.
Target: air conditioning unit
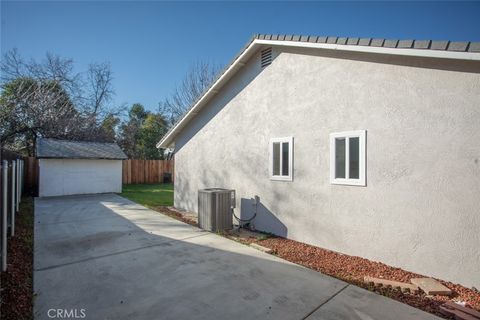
<point x="215" y="209"/>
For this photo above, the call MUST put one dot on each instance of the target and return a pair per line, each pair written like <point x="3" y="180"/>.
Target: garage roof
<point x="65" y="149"/>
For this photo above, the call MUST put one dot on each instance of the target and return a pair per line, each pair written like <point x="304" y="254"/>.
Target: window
<point x="347" y="158"/>
<point x="281" y="159"/>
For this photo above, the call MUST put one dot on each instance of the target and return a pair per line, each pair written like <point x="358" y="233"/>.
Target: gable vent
<point x="266" y="57"/>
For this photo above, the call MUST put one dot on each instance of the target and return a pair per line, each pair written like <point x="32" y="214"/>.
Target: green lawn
<point x="149" y="195"/>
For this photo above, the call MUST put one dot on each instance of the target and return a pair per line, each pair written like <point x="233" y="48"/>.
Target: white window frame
<point x="362" y="165"/>
<point x="281" y="177"/>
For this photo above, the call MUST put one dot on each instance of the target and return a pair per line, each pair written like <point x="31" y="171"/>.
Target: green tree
<point x="141" y="132"/>
<point x="153" y="128"/>
<point x="108" y="127"/>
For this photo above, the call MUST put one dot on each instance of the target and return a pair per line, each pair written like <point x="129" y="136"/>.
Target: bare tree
<point x="101" y="88"/>
<point x="31" y="108"/>
<point x="197" y="80"/>
<point x="49" y="99"/>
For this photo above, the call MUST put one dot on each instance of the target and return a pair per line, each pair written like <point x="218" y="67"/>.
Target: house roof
<point x="64" y="149"/>
<point x="463" y="50"/>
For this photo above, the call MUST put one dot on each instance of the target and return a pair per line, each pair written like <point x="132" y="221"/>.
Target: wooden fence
<point x="31" y="175"/>
<point x="147" y="171"/>
<point x="133" y="172"/>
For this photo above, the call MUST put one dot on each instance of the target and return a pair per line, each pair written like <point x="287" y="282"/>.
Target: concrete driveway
<point x="105" y="257"/>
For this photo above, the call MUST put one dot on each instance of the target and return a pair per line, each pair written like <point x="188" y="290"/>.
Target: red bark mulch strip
<point x="353" y="269"/>
<point x="17" y="281"/>
<point x="176" y="215"/>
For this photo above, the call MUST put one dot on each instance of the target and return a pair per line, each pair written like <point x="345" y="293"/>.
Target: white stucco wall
<point x="420" y="208"/>
<point x="70" y="176"/>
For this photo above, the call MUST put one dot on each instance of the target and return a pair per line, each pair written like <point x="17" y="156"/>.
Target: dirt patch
<point x="17" y="281"/>
<point x="353" y="270"/>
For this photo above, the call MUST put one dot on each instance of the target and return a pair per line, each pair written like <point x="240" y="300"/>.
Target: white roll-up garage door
<point x="79" y="176"/>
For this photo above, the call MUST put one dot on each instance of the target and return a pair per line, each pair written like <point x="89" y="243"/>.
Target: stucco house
<point x="78" y="167"/>
<point x="368" y="147"/>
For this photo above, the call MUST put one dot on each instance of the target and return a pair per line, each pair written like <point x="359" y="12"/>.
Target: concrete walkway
<point x="106" y="257"/>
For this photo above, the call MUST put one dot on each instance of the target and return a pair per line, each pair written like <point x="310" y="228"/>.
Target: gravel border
<point x="17" y="281"/>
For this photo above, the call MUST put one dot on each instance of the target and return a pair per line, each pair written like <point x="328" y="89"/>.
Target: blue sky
<point x="150" y="45"/>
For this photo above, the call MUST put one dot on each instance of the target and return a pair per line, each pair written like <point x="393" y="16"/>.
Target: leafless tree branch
<point x="197" y="80"/>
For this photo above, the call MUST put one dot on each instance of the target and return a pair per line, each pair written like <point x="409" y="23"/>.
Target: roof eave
<point x="238" y="63"/>
<point x="241" y="60"/>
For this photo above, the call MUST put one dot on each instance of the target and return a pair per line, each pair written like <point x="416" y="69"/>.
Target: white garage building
<point x="78" y="167"/>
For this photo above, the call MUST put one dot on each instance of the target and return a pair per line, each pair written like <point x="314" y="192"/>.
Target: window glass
<point x="276" y="159"/>
<point x="354" y="158"/>
<point x="285" y="149"/>
<point x="348" y="158"/>
<point x="340" y="158"/>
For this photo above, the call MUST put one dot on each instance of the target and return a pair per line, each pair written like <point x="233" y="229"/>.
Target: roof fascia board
<point x="237" y="64"/>
<point x="248" y="52"/>
<point x="429" y="53"/>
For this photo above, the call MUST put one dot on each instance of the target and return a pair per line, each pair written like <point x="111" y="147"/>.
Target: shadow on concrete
<point x="122" y="261"/>
<point x="119" y="260"/>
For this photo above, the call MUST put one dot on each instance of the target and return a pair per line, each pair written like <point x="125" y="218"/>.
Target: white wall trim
<point x="361" y="134"/>
<point x="281" y="177"/>
<point x="428" y="53"/>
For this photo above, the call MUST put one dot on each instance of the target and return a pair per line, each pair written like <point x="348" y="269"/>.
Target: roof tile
<point x="474" y="47"/>
<point x="332" y="40"/>
<point x="322" y="39"/>
<point x="390" y="43"/>
<point x="364" y="41"/>
<point x="439" y="45"/>
<point x="421" y="44"/>
<point x="377" y="42"/>
<point x="352" y="41"/>
<point x="405" y="44"/>
<point x="458" y="46"/>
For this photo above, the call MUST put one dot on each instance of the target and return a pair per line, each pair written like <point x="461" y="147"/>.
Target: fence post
<point x="22" y="177"/>
<point x="14" y="185"/>
<point x="4" y="215"/>
<point x="18" y="186"/>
